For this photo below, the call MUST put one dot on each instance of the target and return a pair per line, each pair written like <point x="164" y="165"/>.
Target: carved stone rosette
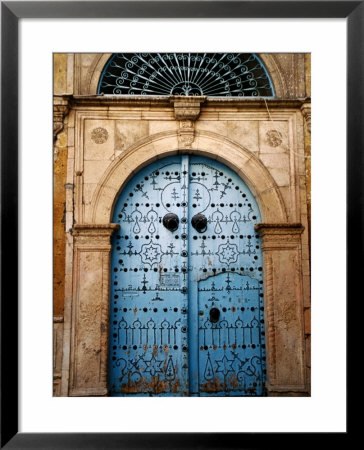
<point x="281" y="245"/>
<point x="90" y="310"/>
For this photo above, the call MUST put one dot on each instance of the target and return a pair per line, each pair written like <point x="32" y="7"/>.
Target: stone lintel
<point x="187" y="108"/>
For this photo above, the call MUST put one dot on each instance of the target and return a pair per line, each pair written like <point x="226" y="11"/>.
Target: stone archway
<point x="208" y="144"/>
<point x="282" y="265"/>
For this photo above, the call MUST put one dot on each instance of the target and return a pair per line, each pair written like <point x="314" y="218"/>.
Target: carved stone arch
<point x="208" y="144"/>
<point x="275" y="74"/>
<point x="95" y="72"/>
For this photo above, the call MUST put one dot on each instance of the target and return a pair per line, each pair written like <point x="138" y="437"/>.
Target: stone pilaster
<point x="57" y="354"/>
<point x="281" y="245"/>
<point x="306" y="112"/>
<point x="90" y="310"/>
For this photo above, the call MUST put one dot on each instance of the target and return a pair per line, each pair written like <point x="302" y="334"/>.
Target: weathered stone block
<point x="307" y="321"/>
<point x="128" y="132"/>
<point x="281" y="176"/>
<point x="275" y="160"/>
<point x="93" y="170"/>
<point x="219" y="127"/>
<point x="159" y="126"/>
<point x="60" y="73"/>
<point x="88" y="192"/>
<point x="245" y="133"/>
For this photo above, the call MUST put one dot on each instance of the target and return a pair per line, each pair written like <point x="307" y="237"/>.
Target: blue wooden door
<point x="187" y="311"/>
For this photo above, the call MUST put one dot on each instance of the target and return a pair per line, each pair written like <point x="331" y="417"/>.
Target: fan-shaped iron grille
<point x="210" y="74"/>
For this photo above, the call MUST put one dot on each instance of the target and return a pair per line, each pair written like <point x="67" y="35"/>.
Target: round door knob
<point x="214" y="315"/>
<point x="171" y="221"/>
<point x="199" y="223"/>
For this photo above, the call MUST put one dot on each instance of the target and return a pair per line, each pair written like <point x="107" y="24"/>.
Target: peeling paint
<point x="153" y="386"/>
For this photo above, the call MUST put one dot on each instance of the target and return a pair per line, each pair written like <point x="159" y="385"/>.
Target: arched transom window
<point x="210" y="74"/>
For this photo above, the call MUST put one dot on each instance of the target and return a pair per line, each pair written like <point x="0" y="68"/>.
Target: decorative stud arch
<point x="210" y="74"/>
<point x="208" y="144"/>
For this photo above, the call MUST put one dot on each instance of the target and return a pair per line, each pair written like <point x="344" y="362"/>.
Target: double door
<point x="187" y="309"/>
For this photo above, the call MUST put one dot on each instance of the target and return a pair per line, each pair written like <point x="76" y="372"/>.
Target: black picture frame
<point x="11" y="12"/>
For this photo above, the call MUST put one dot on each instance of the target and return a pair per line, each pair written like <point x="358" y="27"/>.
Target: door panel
<point x="187" y="289"/>
<point x="225" y="274"/>
<point x="230" y="342"/>
<point x="148" y="348"/>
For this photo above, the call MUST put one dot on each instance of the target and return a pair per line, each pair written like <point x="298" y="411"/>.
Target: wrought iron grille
<point x="210" y="74"/>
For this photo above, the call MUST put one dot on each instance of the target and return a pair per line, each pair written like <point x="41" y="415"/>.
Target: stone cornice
<point x="85" y="101"/>
<point x="94" y="229"/>
<point x="279" y="228"/>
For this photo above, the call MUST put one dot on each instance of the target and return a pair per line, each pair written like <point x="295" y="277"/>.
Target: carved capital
<point x="279" y="235"/>
<point x="60" y="110"/>
<point x="94" y="236"/>
<point x="187" y="108"/>
<point x="306" y="112"/>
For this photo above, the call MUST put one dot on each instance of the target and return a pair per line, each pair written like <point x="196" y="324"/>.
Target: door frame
<point x="190" y="385"/>
<point x="85" y="353"/>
